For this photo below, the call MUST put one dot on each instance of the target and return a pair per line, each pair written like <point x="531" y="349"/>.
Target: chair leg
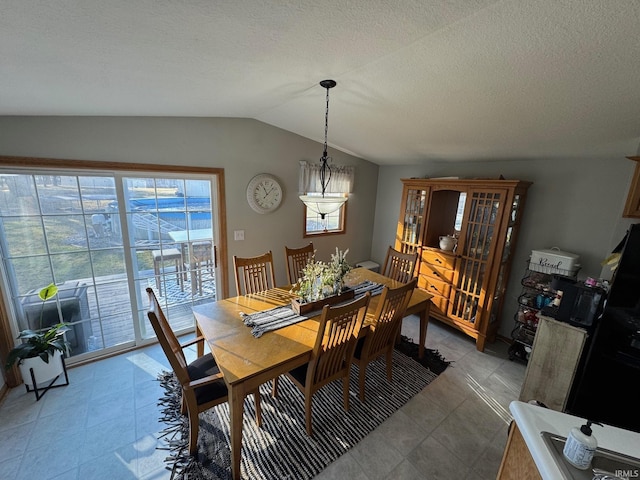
<point x="183" y="406"/>
<point x="390" y="365"/>
<point x="362" y="379"/>
<point x="179" y="280"/>
<point x="193" y="432"/>
<point x="308" y="403"/>
<point x="274" y="388"/>
<point x="199" y="273"/>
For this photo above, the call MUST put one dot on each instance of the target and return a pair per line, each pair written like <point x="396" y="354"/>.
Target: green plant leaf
<point x="48" y="292"/>
<point x="59" y="344"/>
<point x="25" y="350"/>
<point x="26" y="334"/>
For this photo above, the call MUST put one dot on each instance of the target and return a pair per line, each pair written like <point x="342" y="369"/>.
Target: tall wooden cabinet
<point x="467" y="284"/>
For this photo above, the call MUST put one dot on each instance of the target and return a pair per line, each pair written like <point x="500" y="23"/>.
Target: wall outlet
<point x="238" y="234"/>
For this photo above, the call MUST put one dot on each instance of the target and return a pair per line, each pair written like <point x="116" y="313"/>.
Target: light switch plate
<point x="238" y="234"/>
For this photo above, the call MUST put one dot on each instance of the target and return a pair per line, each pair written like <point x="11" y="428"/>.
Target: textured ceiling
<point x="417" y="80"/>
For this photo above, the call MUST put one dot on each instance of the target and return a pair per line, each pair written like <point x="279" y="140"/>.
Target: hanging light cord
<point x="325" y="170"/>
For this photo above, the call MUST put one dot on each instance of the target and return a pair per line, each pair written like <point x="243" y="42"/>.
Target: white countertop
<point x="532" y="420"/>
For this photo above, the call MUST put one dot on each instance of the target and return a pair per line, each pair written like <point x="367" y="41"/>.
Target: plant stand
<point x="41" y="391"/>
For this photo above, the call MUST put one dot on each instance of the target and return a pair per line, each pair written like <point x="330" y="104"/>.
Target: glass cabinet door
<point x="476" y="249"/>
<point x="410" y="229"/>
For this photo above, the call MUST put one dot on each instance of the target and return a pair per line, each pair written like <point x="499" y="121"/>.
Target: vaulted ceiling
<point x="417" y="79"/>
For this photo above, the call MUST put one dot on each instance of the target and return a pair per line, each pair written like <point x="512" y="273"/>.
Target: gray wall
<point x="573" y="204"/>
<point x="243" y="147"/>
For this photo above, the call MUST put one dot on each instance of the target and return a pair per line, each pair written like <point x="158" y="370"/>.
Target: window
<point x="460" y="211"/>
<point x="339" y="183"/>
<point x="94" y="233"/>
<point x="333" y="223"/>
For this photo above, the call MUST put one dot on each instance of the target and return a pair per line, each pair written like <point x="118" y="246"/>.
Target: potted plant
<point x="41" y="350"/>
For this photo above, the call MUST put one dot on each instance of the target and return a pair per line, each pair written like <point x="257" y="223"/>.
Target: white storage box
<point x="369" y="265"/>
<point x="554" y="260"/>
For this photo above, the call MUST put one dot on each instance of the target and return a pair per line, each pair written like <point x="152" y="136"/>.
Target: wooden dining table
<point x="247" y="362"/>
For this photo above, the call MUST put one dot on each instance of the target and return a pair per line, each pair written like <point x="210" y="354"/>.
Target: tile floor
<point x="104" y="425"/>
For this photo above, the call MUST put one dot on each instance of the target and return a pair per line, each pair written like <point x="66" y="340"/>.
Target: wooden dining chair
<point x="399" y="266"/>
<point x="254" y="274"/>
<point x="160" y="258"/>
<point x="332" y="353"/>
<point x="200" y="262"/>
<point x="203" y="386"/>
<point x="297" y="259"/>
<point x="383" y="332"/>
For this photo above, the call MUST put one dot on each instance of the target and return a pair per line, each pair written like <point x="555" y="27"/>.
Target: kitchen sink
<point x="623" y="466"/>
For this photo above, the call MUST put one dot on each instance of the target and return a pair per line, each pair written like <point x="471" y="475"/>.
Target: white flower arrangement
<point x="320" y="280"/>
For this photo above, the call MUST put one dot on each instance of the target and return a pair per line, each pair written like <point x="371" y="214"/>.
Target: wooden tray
<point x="304" y="308"/>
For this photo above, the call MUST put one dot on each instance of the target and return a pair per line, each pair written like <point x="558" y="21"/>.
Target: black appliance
<point x="581" y="304"/>
<point x="605" y="387"/>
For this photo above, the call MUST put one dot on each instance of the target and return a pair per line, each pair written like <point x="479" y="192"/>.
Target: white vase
<point x="43" y="372"/>
<point x="448" y="243"/>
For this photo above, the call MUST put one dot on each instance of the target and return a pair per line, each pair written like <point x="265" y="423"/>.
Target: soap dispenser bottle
<point x="581" y="445"/>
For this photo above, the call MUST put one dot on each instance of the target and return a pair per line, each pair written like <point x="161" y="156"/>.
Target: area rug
<point x="431" y="358"/>
<point x="281" y="449"/>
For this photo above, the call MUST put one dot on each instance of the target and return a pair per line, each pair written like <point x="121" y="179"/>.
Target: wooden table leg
<point x="424" y="322"/>
<point x="199" y="345"/>
<point x="422" y="309"/>
<point x="236" y="407"/>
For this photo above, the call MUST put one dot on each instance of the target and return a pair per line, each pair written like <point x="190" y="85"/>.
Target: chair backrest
<point x="254" y="274"/>
<point x="399" y="266"/>
<point x="337" y="337"/>
<point x="202" y="252"/>
<point x="168" y="340"/>
<point x="388" y="316"/>
<point x="297" y="259"/>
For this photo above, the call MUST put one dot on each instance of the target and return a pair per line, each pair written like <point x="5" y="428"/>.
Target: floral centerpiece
<point x="338" y="268"/>
<point x="321" y="281"/>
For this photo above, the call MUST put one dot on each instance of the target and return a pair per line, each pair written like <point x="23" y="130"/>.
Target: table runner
<point x="271" y="319"/>
<point x="284" y="316"/>
<point x="368" y="286"/>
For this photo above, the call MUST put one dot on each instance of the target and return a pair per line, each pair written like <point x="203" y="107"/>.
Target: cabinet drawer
<point x="434" y="286"/>
<point x="440" y="303"/>
<point x="439" y="258"/>
<point x="436" y="272"/>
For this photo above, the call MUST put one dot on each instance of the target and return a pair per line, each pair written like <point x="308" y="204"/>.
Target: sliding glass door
<point x="170" y="239"/>
<point x="103" y="239"/>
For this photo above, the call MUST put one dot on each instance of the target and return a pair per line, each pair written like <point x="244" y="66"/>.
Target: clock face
<point x="264" y="193"/>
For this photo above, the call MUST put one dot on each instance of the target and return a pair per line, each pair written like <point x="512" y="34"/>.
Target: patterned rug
<point x="281" y="449"/>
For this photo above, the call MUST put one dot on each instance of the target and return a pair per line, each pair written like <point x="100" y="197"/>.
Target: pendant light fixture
<point x="320" y="204"/>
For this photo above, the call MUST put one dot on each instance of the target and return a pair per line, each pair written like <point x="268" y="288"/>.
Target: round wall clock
<point x="264" y="193"/>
